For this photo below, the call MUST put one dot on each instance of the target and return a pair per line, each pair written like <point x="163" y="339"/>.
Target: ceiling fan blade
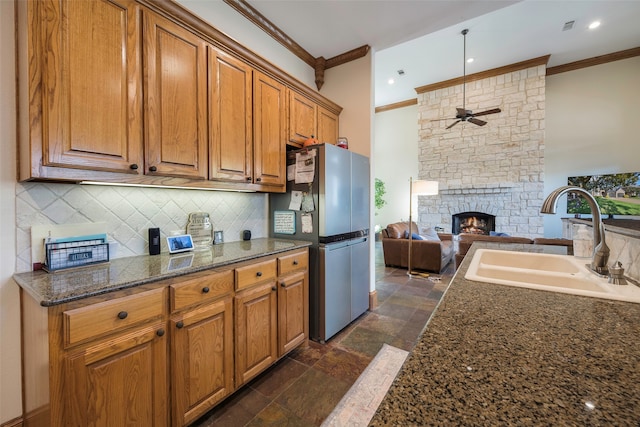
<point x="476" y="121"/>
<point x="484" y="113"/>
<point x="453" y="124"/>
<point x="440" y="120"/>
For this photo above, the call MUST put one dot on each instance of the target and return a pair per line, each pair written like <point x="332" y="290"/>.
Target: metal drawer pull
<point x="295" y="262"/>
<point x="259" y="274"/>
<point x="205" y="290"/>
<point x="273" y="288"/>
<point x="284" y="285"/>
<point x="122" y="315"/>
<point x="160" y="332"/>
<point x="179" y="324"/>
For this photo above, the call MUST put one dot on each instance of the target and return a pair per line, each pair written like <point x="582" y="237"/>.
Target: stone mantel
<point x="477" y="189"/>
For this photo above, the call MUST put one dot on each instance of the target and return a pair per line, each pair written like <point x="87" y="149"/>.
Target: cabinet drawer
<point x="200" y="287"/>
<point x="255" y="273"/>
<point x="103" y="318"/>
<point x="294" y="262"/>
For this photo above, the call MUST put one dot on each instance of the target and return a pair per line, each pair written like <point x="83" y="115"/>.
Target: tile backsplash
<point x="130" y="211"/>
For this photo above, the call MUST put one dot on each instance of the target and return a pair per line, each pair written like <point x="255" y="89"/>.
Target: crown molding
<point x="542" y="60"/>
<point x="249" y="12"/>
<point x="319" y="64"/>
<point x="596" y="60"/>
<point x="395" y="105"/>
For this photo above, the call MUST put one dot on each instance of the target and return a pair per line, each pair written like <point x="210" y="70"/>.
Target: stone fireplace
<point x="496" y="169"/>
<point x="473" y="223"/>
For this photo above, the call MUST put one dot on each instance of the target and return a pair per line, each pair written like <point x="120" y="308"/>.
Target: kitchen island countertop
<point x="122" y="273"/>
<point x="501" y="355"/>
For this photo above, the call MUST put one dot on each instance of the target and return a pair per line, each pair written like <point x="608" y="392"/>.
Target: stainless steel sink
<point x="547" y="272"/>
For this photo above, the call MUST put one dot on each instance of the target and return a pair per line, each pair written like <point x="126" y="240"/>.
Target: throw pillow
<point x="430" y="234"/>
<point x="414" y="236"/>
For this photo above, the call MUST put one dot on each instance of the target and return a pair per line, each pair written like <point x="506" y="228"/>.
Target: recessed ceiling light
<point x="469" y="61"/>
<point x="594" y="25"/>
<point x="391" y="81"/>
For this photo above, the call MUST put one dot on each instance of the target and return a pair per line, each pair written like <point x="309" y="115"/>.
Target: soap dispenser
<point x="582" y="242"/>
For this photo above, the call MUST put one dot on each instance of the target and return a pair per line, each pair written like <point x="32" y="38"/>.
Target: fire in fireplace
<point x="473" y="223"/>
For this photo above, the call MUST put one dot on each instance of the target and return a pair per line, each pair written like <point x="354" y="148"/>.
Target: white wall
<point x="395" y="154"/>
<point x="592" y="126"/>
<point x="10" y="392"/>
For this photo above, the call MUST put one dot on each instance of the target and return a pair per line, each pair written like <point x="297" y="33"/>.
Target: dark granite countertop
<point x="500" y="355"/>
<point x="121" y="273"/>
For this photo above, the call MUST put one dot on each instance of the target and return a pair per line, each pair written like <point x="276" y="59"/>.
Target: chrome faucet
<point x="600" y="254"/>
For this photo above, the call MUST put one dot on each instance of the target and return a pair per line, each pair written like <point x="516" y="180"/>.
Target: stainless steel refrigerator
<point x="337" y="225"/>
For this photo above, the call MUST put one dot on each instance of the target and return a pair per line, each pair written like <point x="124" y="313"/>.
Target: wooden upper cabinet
<point x="302" y="118"/>
<point x="270" y="127"/>
<point x="327" y="126"/>
<point x="230" y="118"/>
<point x="175" y="83"/>
<point x="91" y="97"/>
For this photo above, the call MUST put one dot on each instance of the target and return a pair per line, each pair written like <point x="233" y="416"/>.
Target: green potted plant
<point x="379" y="202"/>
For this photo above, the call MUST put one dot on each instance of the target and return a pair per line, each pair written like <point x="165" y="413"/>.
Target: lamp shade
<point x="424" y="188"/>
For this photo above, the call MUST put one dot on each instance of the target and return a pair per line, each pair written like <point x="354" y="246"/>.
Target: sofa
<point x="432" y="254"/>
<point x="465" y="240"/>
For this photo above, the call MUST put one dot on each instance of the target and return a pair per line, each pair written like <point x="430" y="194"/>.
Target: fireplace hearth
<point x="473" y="223"/>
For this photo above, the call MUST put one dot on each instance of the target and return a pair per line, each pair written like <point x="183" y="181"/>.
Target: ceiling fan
<point x="464" y="115"/>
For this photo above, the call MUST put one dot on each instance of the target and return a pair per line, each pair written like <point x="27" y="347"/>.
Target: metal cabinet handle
<point x="248" y="178"/>
<point x="273" y="288"/>
<point x="179" y="324"/>
<point x="259" y="274"/>
<point x="205" y="290"/>
<point x="295" y="262"/>
<point x="153" y="169"/>
<point x="133" y="167"/>
<point x="160" y="332"/>
<point x="122" y="315"/>
<point x="258" y="179"/>
<point x="284" y="285"/>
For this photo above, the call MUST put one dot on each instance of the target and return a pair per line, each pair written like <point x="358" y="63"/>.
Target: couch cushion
<point x="396" y="230"/>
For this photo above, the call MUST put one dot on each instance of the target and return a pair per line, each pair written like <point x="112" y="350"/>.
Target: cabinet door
<point x="92" y="111"/>
<point x="175" y="77"/>
<point x="270" y="141"/>
<point x="121" y="381"/>
<point x="256" y="331"/>
<point x="230" y="119"/>
<point x="302" y="118"/>
<point x="201" y="359"/>
<point x="327" y="126"/>
<point x="293" y="317"/>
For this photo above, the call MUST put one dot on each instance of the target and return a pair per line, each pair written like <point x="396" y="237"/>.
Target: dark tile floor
<point x="303" y="388"/>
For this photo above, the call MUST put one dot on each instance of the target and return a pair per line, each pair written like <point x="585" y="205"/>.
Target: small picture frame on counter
<point x="181" y="243"/>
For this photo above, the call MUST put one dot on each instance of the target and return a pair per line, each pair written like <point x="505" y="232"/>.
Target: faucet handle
<point x="616" y="274"/>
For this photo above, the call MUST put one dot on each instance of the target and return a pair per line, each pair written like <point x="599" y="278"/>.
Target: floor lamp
<point x="419" y="188"/>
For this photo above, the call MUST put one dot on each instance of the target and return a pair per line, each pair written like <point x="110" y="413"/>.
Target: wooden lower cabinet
<point x="163" y="353"/>
<point x="256" y="330"/>
<point x="201" y="359"/>
<point x="293" y="315"/>
<point x="121" y="381"/>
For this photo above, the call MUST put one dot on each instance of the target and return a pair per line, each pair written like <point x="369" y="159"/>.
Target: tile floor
<point x="303" y="388"/>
